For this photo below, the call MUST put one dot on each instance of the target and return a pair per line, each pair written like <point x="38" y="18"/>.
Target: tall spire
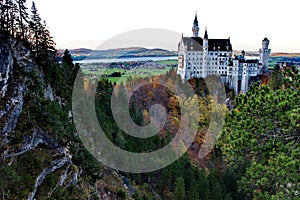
<point x="196" y="20"/>
<point x="205" y="34"/>
<point x="195" y="28"/>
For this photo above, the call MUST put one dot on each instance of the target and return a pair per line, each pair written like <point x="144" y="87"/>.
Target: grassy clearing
<point x="162" y="67"/>
<point x="168" y="62"/>
<point x="134" y="73"/>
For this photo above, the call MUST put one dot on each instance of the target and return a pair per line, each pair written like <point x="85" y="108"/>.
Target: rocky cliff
<point x="40" y="155"/>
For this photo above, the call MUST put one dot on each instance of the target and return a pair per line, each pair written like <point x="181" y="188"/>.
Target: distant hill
<point x="274" y="54"/>
<point x="281" y="54"/>
<point x="82" y="53"/>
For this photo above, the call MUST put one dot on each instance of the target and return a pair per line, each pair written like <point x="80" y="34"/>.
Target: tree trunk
<point x="3" y="198"/>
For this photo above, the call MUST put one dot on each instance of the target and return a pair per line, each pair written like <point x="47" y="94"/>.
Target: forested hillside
<point x="42" y="156"/>
<point x="261" y="138"/>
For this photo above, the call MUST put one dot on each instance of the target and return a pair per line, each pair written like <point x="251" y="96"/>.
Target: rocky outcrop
<point x="12" y="54"/>
<point x="14" y="106"/>
<point x="57" y="164"/>
<point x="38" y="137"/>
<point x="48" y="93"/>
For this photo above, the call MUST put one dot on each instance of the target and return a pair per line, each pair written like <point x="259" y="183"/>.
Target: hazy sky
<point x="78" y="23"/>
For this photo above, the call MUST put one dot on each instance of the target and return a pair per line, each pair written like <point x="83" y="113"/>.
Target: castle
<point x="200" y="57"/>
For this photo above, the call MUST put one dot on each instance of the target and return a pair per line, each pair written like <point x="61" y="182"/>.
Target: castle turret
<point x="264" y="54"/>
<point x="205" y="34"/>
<point x="265" y="43"/>
<point x="195" y="28"/>
<point x="205" y="53"/>
<point x="243" y="53"/>
<point x="205" y="40"/>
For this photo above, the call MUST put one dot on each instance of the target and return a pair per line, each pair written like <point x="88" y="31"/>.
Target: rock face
<point x="15" y="59"/>
<point x="22" y="132"/>
<point x="40" y="179"/>
<point x="49" y="93"/>
<point x="16" y="63"/>
<point x="37" y="138"/>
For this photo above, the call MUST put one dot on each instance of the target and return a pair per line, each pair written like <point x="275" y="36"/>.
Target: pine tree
<point x="193" y="189"/>
<point x="36" y="28"/>
<point x="69" y="69"/>
<point x="67" y="58"/>
<point x="203" y="185"/>
<point x="23" y="18"/>
<point x="47" y="45"/>
<point x="10" y="16"/>
<point x="9" y="177"/>
<point x="216" y="191"/>
<point x="263" y="130"/>
<point x="179" y="192"/>
<point x="2" y="14"/>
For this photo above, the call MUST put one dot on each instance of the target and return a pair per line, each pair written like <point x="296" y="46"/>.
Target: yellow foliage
<point x="85" y="84"/>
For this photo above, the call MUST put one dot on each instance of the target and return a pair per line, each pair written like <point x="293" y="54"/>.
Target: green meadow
<point x="138" y="72"/>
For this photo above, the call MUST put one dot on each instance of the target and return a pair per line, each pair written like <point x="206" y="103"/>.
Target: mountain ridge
<point x="85" y="53"/>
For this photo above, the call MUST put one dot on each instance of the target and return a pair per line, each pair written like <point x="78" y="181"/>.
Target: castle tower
<point x="205" y="34"/>
<point x="205" y="52"/>
<point x="264" y="54"/>
<point x="205" y="40"/>
<point x="195" y="28"/>
<point x="245" y="78"/>
<point x="243" y="53"/>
